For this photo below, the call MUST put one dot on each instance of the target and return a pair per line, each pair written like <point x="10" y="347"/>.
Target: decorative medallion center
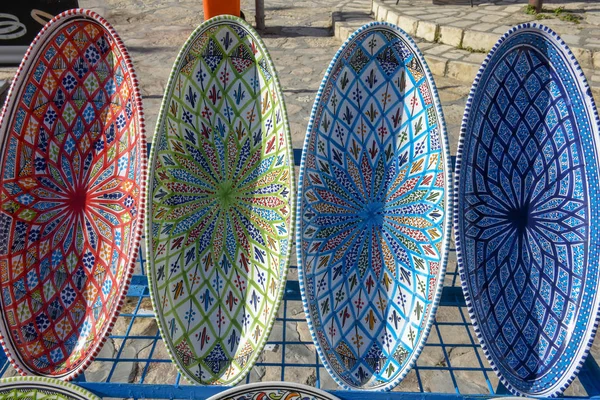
<point x="372" y="214"/>
<point x="520" y="218"/>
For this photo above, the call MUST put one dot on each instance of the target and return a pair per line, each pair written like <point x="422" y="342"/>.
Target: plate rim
<point x="15" y="89"/>
<point x="448" y="209"/>
<point x="238" y="390"/>
<point x="52" y="383"/>
<point x="587" y="98"/>
<point x="200" y="29"/>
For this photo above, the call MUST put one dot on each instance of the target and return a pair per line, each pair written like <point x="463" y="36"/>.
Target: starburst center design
<point x="520" y="218"/>
<point x="226" y="194"/>
<point x="372" y="214"/>
<point x="77" y="200"/>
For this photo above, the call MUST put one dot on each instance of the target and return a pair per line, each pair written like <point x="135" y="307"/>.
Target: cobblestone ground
<point x="498" y="16"/>
<point x="299" y="37"/>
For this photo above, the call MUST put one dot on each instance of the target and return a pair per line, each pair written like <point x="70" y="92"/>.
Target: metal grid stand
<point x="451" y="333"/>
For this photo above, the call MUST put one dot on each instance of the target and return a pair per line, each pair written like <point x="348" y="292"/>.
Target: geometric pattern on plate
<point x="221" y="204"/>
<point x="273" y="391"/>
<point x="71" y="182"/>
<point x="41" y="388"/>
<point x="527" y="211"/>
<point x="373" y="230"/>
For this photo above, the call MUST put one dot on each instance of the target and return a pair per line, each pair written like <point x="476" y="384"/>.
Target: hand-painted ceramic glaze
<point x="374" y="224"/>
<point x="39" y="388"/>
<point x="273" y="391"/>
<point x="73" y="176"/>
<point x="527" y="211"/>
<point x="221" y="209"/>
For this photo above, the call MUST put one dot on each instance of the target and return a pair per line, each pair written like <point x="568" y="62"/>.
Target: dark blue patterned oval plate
<point x="527" y="211"/>
<point x="374" y="224"/>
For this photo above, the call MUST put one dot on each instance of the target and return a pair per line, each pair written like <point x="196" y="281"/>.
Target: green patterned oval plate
<point x="39" y="388"/>
<point x="220" y="203"/>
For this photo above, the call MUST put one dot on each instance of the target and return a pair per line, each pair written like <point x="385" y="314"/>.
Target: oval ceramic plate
<point x="39" y="388"/>
<point x="221" y="209"/>
<point x="273" y="391"/>
<point x="73" y="176"/>
<point x="527" y="211"/>
<point x="374" y="224"/>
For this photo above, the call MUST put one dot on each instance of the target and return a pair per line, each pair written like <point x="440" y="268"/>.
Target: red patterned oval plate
<point x="73" y="158"/>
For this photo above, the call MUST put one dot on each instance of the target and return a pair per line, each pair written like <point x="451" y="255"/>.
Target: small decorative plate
<point x="528" y="213"/>
<point x="373" y="209"/>
<point x="73" y="159"/>
<point x="41" y="388"/>
<point x="221" y="203"/>
<point x="273" y="391"/>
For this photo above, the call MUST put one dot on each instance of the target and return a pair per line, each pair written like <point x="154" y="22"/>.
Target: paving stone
<point x="483" y="27"/>
<point x="451" y="35"/>
<point x="392" y="17"/>
<point x="427" y="30"/>
<point x="434" y="17"/>
<point x="474" y="16"/>
<point x="437" y="65"/>
<point x="501" y="30"/>
<point x="456" y="54"/>
<point x="408" y="24"/>
<point x="492" y="18"/>
<point x="597" y="60"/>
<point x="462" y="70"/>
<point x="475" y="58"/>
<point x="410" y="383"/>
<point x="474" y="382"/>
<point x="464" y="24"/>
<point x="381" y="13"/>
<point x="438" y="49"/>
<point x="374" y="7"/>
<point x="583" y="56"/>
<point x="570" y="39"/>
<point x="479" y="40"/>
<point x="447" y="20"/>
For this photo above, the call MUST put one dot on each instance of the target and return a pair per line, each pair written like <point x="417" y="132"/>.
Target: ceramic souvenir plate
<point x="527" y="211"/>
<point x="273" y="391"/>
<point x="72" y="179"/>
<point x="221" y="209"/>
<point x="39" y="388"/>
<point x="373" y="220"/>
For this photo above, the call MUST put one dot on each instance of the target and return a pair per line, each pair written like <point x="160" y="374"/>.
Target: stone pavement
<point x="300" y="39"/>
<point x="455" y="38"/>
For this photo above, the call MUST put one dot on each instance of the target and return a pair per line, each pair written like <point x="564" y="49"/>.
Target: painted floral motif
<point x="221" y="204"/>
<point x="273" y="391"/>
<point x="37" y="388"/>
<point x="71" y="181"/>
<point x="373" y="236"/>
<point x="528" y="212"/>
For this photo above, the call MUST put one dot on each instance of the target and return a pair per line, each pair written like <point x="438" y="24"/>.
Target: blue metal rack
<point x="452" y="332"/>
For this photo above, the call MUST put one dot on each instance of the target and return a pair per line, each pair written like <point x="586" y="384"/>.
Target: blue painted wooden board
<point x="373" y="220"/>
<point x="527" y="212"/>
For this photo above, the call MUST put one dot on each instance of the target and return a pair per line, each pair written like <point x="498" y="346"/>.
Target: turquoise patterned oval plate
<point x="73" y="158"/>
<point x="273" y="391"/>
<point x="373" y="209"/>
<point x="527" y="211"/>
<point x="40" y="388"/>
<point x="220" y="203"/>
